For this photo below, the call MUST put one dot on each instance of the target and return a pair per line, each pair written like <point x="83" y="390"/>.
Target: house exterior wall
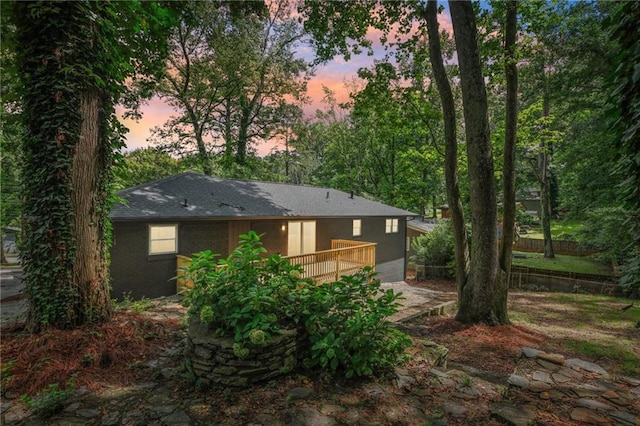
<point x="391" y="259"/>
<point x="136" y="274"/>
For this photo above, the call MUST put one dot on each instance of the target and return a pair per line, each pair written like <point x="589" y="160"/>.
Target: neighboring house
<point x="529" y="198"/>
<point x="191" y="212"/>
<point x="417" y="227"/>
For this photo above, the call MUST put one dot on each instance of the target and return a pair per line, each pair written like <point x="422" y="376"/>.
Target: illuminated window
<point x="163" y="239"/>
<point x="302" y="237"/>
<point x="391" y="226"/>
<point x="357" y="227"/>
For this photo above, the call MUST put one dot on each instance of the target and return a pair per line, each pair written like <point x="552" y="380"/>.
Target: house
<point x="191" y="212"/>
<point x="529" y="199"/>
<point x="419" y="226"/>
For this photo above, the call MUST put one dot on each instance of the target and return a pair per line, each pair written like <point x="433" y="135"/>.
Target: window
<point x="302" y="237"/>
<point x="163" y="239"/>
<point x="391" y="226"/>
<point x="357" y="227"/>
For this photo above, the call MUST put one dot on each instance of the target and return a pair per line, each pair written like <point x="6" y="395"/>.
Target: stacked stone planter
<point x="214" y="362"/>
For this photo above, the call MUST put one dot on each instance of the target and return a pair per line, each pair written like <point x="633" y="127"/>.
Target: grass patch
<point x="560" y="229"/>
<point x="627" y="359"/>
<point x="564" y="263"/>
<point x="592" y="327"/>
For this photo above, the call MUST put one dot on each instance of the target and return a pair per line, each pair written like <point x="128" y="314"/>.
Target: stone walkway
<point x="427" y="391"/>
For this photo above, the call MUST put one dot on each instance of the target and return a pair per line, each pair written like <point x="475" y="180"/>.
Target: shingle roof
<point x="194" y="195"/>
<point x="423" y="225"/>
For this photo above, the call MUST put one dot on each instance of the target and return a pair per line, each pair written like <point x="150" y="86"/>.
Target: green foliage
<point x="138" y="306"/>
<point x="80" y="55"/>
<point x="435" y="248"/>
<point x="244" y="295"/>
<point x="605" y="230"/>
<point x="50" y="400"/>
<point x="348" y="327"/>
<point x="626" y="102"/>
<point x="146" y="165"/>
<point x="251" y="298"/>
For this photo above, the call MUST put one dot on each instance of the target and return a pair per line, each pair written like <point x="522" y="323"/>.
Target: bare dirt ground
<point x="113" y="356"/>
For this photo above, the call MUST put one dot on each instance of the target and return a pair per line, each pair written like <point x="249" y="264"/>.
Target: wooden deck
<point x="345" y="257"/>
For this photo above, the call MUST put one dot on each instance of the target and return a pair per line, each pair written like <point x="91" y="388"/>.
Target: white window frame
<point x="357" y="228"/>
<point x="391" y="226"/>
<point x="174" y="239"/>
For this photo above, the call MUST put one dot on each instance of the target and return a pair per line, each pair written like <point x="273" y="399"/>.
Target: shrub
<point x="607" y="232"/>
<point x="435" y="248"/>
<point x="250" y="298"/>
<point x="244" y="295"/>
<point x="348" y="327"/>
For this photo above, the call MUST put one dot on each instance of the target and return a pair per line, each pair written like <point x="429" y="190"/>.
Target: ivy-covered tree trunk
<point x="483" y="297"/>
<point x="66" y="164"/>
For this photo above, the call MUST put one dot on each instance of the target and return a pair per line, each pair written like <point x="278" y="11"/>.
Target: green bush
<point x="348" y="327"/>
<point x="246" y="296"/>
<point x="435" y="248"/>
<point x="607" y="232"/>
<point x="250" y="298"/>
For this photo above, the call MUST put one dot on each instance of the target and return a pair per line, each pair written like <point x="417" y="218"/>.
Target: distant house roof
<point x="423" y="225"/>
<point x="194" y="195"/>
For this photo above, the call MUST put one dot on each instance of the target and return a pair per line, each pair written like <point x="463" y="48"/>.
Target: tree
<point x="482" y="290"/>
<point x="232" y="70"/>
<point x="10" y="164"/>
<point x="510" y="141"/>
<point x="625" y="99"/>
<point x="451" y="148"/>
<point x="73" y="60"/>
<point x="483" y="298"/>
<point x="145" y="165"/>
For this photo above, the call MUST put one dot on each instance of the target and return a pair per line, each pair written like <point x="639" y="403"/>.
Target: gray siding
<point x="137" y="274"/>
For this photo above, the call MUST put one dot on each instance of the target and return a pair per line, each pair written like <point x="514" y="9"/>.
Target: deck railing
<point x="344" y="258"/>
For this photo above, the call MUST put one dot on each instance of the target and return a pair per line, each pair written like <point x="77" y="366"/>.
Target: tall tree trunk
<point x="483" y="297"/>
<point x="90" y="270"/>
<point x="451" y="147"/>
<point x="67" y="163"/>
<point x="511" y="124"/>
<point x="545" y="190"/>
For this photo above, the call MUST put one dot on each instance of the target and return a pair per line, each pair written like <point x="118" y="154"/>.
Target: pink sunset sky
<point x="333" y="75"/>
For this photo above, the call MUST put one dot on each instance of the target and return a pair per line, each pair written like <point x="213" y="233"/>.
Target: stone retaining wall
<point x="214" y="362"/>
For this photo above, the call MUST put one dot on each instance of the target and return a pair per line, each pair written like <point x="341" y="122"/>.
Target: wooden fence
<point x="344" y="258"/>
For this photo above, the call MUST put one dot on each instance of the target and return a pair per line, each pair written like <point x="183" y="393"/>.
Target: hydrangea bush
<point x="249" y="298"/>
<point x="245" y="295"/>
